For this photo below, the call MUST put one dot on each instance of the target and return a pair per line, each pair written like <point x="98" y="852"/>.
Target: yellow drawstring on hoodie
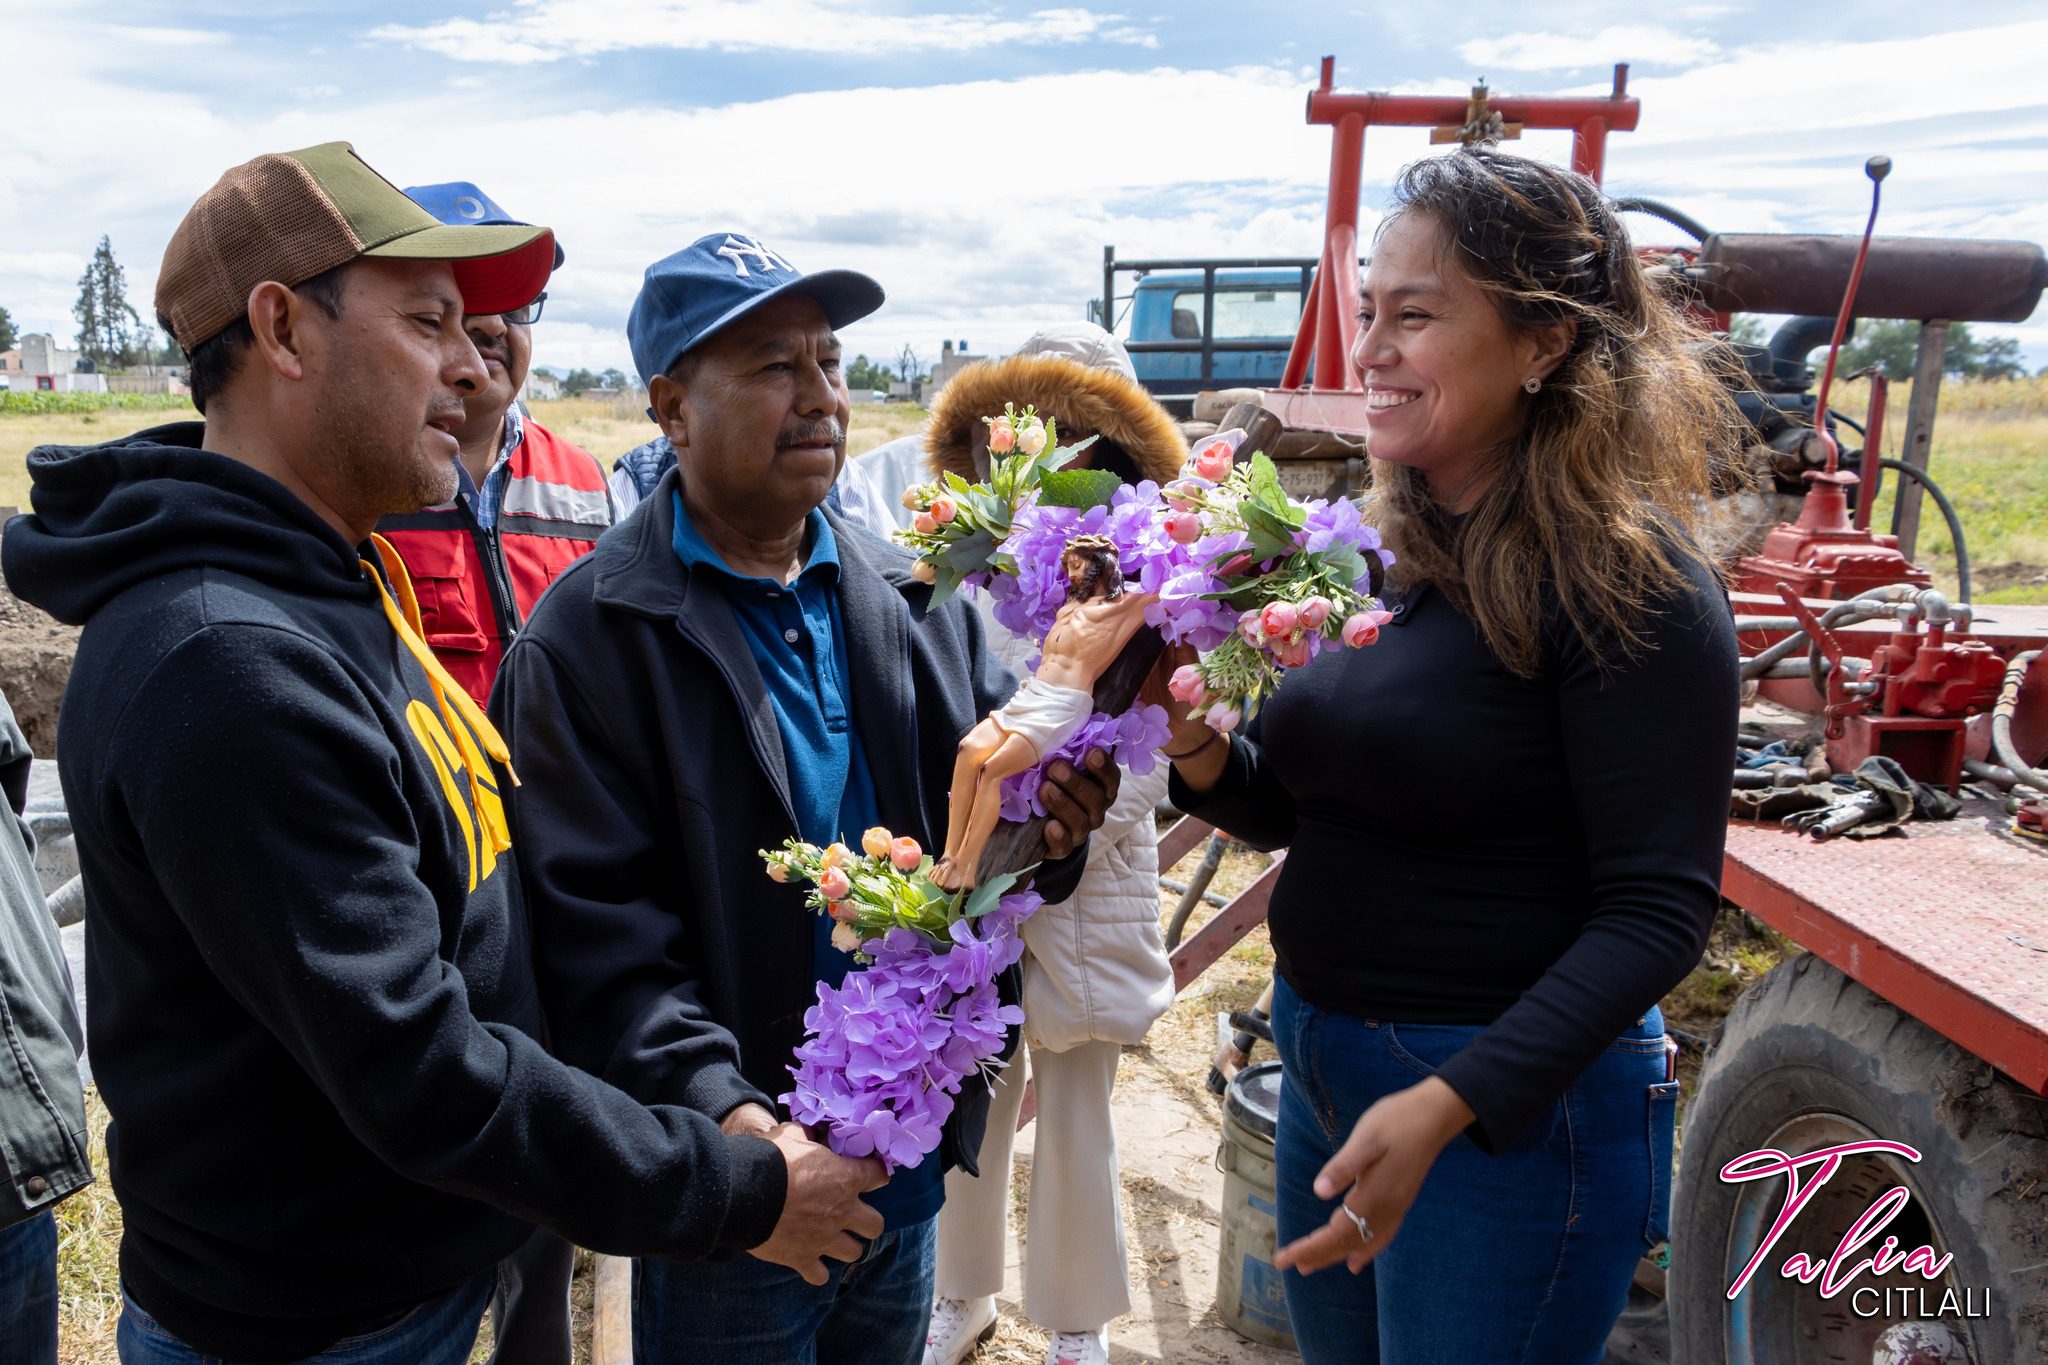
<point x="464" y="719"/>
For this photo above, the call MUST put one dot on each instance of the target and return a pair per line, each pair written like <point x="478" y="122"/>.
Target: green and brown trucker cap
<point x="288" y="216"/>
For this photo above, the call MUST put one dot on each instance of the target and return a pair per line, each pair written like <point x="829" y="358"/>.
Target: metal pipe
<point x="1758" y="663"/>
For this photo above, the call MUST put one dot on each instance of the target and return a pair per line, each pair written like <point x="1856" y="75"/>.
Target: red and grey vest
<point x="476" y="586"/>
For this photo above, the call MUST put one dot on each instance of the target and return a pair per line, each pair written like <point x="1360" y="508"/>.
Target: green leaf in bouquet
<point x="956" y="483"/>
<point x="1058" y="456"/>
<point x="1263" y="479"/>
<point x="1344" y="563"/>
<point x="944" y="584"/>
<point x="993" y="511"/>
<point x="983" y="898"/>
<point x="965" y="555"/>
<point x="1080" y="488"/>
<point x="1272" y="533"/>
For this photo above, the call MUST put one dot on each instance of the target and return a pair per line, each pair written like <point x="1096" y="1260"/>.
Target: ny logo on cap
<point x="765" y="260"/>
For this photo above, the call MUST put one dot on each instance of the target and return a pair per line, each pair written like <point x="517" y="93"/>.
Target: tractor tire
<point x="1808" y="1059"/>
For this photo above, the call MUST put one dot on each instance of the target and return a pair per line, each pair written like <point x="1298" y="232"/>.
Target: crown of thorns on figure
<point x="1104" y="575"/>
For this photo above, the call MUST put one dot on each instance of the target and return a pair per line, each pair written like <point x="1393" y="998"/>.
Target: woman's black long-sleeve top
<point x="1539" y="856"/>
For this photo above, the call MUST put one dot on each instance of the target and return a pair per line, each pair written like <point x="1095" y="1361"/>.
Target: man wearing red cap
<point x="527" y="504"/>
<point x="313" y="997"/>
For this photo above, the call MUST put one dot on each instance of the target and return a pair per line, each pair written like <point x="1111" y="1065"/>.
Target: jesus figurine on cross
<point x="1096" y="622"/>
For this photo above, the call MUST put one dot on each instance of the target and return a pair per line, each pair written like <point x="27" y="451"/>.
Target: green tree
<point x="578" y="381"/>
<point x="865" y="374"/>
<point x="108" y="328"/>
<point x="1893" y="343"/>
<point x="612" y="379"/>
<point x="8" y="339"/>
<point x="1747" y="329"/>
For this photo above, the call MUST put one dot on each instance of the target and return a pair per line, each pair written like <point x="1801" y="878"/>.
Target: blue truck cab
<point x="1195" y="325"/>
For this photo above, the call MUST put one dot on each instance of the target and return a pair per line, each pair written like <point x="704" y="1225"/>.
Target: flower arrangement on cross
<point x="1100" y="575"/>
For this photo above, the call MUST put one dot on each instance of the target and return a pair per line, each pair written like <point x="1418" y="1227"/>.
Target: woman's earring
<point x="1531" y="384"/>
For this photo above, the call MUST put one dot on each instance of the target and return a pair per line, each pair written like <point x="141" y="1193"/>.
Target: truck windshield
<point x="1239" y="313"/>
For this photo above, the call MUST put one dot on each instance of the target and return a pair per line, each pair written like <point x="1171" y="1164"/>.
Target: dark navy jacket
<point x="652" y="775"/>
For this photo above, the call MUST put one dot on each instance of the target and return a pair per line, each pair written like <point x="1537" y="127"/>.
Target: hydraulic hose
<point x="2001" y="722"/>
<point x="1657" y="208"/>
<point x="1948" y="513"/>
<point x="1760" y="663"/>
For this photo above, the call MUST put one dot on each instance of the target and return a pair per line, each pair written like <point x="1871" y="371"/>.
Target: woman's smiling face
<point x="1443" y="370"/>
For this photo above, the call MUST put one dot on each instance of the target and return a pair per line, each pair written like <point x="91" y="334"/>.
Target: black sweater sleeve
<point x="1647" y="744"/>
<point x="1248" y="802"/>
<point x="271" y="814"/>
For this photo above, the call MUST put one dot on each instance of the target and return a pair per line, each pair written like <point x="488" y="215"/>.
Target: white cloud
<point x="1642" y="44"/>
<point x="992" y="218"/>
<point x="547" y="30"/>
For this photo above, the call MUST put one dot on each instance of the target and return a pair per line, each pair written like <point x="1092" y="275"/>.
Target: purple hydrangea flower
<point x="889" y="1047"/>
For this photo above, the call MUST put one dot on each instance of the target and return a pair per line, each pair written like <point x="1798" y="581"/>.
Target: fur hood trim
<point x="1079" y="398"/>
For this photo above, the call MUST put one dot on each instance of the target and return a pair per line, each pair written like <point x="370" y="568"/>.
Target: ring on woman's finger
<point x="1357" y="1221"/>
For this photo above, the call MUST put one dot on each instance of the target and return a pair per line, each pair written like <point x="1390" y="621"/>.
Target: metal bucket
<point x="1248" y="1293"/>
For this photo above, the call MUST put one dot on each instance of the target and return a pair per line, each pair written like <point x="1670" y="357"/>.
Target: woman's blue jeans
<point x="1518" y="1258"/>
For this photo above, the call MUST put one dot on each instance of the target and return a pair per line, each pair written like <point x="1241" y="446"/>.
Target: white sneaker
<point x="958" y="1326"/>
<point x="1079" y="1348"/>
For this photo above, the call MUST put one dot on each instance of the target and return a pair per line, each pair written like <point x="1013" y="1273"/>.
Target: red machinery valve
<point x="1910" y="702"/>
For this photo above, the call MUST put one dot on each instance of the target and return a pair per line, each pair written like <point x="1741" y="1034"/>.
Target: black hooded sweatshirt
<point x="312" y="992"/>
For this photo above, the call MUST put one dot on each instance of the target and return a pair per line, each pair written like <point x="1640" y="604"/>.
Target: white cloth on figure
<point x="1044" y="714"/>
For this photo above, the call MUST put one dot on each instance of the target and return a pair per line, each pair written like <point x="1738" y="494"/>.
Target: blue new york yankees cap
<point x="689" y="297"/>
<point x="458" y="202"/>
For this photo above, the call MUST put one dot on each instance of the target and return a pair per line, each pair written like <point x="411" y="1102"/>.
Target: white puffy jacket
<point x="1097" y="968"/>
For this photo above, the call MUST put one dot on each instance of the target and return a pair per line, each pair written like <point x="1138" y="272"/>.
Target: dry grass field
<point x="1990" y="456"/>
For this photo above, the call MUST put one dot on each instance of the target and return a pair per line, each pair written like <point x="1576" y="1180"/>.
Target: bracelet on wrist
<point x="1215" y="736"/>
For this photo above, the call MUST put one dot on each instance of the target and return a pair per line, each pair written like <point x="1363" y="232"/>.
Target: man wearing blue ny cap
<point x="731" y="668"/>
<point x="527" y="502"/>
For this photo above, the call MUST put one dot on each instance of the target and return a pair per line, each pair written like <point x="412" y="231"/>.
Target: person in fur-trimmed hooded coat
<point x="1096" y="975"/>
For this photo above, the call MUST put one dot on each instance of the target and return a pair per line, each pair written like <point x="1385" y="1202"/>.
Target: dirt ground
<point x="1168" y="1128"/>
<point x="35" y="663"/>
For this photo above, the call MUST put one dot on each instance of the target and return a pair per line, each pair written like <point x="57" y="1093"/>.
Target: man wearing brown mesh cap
<point x="312" y="993"/>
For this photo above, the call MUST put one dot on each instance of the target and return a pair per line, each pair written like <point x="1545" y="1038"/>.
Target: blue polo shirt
<point x="798" y="639"/>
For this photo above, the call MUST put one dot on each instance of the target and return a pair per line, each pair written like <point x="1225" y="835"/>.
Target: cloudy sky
<point x="976" y="158"/>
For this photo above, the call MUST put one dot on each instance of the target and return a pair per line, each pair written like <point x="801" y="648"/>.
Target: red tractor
<point x="1908" y="1046"/>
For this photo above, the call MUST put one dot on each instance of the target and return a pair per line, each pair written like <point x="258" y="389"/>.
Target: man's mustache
<point x="812" y="433"/>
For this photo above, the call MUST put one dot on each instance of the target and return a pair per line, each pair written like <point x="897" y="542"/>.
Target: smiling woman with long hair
<point x="1505" y="821"/>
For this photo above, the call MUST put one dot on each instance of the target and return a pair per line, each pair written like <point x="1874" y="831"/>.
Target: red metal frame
<point x="1319" y="364"/>
<point x="1945" y="923"/>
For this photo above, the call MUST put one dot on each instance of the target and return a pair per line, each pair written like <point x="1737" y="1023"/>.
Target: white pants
<point x="1075" y="1270"/>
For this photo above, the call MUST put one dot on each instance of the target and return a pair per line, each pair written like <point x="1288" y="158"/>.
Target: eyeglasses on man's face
<point x="530" y="314"/>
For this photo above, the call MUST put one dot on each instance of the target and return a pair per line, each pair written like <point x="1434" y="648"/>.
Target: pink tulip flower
<point x="924" y="523"/>
<point x="1360" y="630"/>
<point x="1212" y="462"/>
<point x="905" y="854"/>
<point x="944" y="510"/>
<point x="1279" y="618"/>
<point x="1315" y="611"/>
<point x="833" y="884"/>
<point x="1223" y="718"/>
<point x="1183" y="528"/>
